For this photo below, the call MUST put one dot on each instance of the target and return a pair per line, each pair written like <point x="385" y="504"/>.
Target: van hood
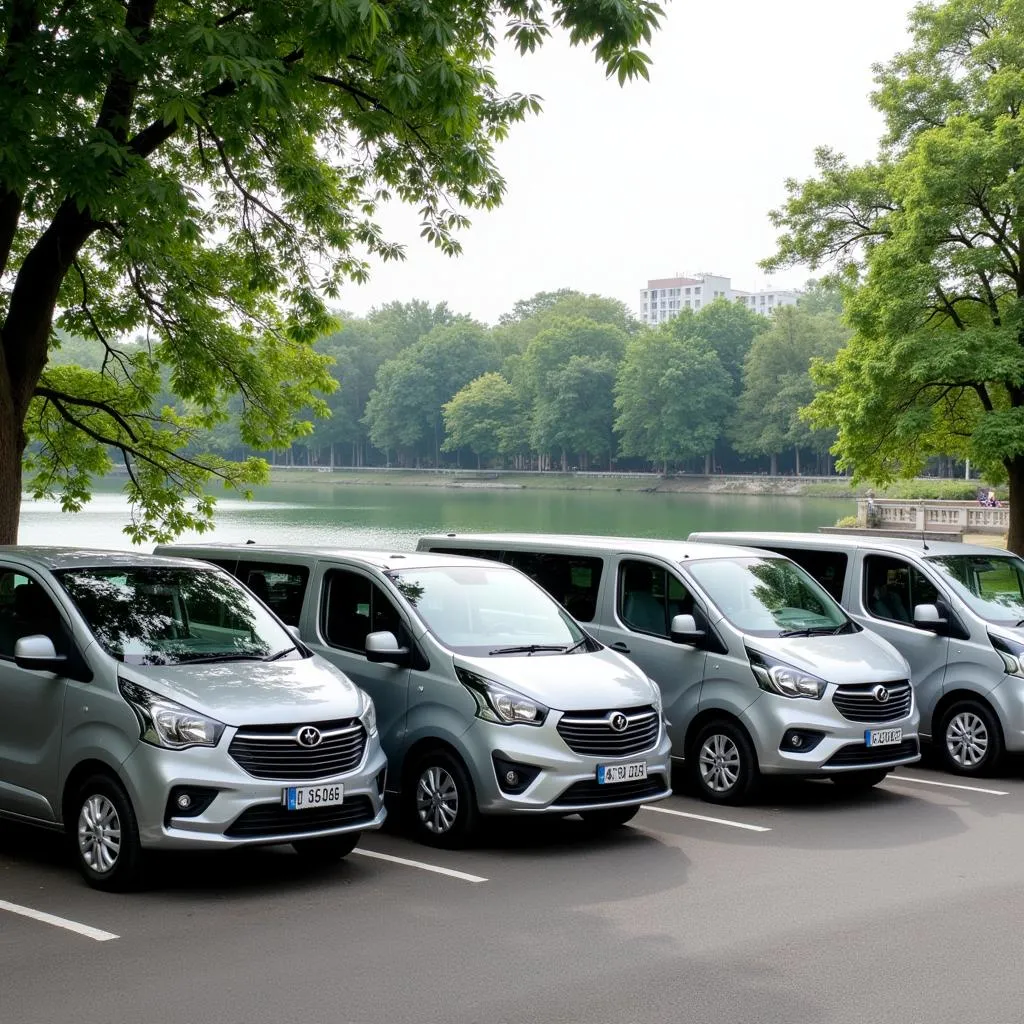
<point x="568" y="682"/>
<point x="863" y="657"/>
<point x="254" y="692"/>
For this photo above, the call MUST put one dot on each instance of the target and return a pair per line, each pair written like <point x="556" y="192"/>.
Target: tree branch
<point x="90" y="403"/>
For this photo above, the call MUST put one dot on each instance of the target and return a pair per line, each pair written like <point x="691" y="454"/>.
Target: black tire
<point x="969" y="740"/>
<point x="721" y="765"/>
<point x="439" y="803"/>
<point x="104" y="835"/>
<point x="613" y="817"/>
<point x="857" y="782"/>
<point x="326" y="850"/>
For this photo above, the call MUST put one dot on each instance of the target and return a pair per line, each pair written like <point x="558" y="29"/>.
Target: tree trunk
<point x="1015" y="536"/>
<point x="707" y="464"/>
<point x="797" y="450"/>
<point x="565" y="461"/>
<point x="774" y="470"/>
<point x="12" y="447"/>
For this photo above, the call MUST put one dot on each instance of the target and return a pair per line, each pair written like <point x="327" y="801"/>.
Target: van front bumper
<point x="842" y="744"/>
<point x="565" y="782"/>
<point x="244" y="811"/>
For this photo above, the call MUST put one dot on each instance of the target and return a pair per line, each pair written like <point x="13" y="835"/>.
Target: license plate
<point x="883" y="737"/>
<point x="607" y="773"/>
<point x="301" y="798"/>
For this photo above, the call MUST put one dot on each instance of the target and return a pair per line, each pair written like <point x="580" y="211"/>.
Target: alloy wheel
<point x="967" y="739"/>
<point x="99" y="834"/>
<point x="437" y="800"/>
<point x="719" y="760"/>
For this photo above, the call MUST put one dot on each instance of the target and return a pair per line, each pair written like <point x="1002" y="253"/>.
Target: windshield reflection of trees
<point x="157" y="616"/>
<point x="780" y="587"/>
<point x="411" y="590"/>
<point x="992" y="580"/>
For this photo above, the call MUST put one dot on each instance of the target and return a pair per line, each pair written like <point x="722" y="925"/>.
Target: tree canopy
<point x="205" y="175"/>
<point x="928" y="240"/>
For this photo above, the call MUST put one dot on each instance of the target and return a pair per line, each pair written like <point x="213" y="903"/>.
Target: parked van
<point x="760" y="671"/>
<point x="152" y="703"/>
<point x="954" y="610"/>
<point x="490" y="698"/>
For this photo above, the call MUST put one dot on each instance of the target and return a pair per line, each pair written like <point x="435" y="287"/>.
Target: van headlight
<point x="785" y="680"/>
<point x="368" y="713"/>
<point x="165" y="723"/>
<point x="1012" y="653"/>
<point x="497" y="703"/>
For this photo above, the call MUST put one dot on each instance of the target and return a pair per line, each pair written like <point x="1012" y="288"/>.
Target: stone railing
<point x="955" y="517"/>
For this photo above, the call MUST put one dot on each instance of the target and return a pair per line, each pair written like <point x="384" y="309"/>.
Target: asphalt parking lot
<point x="903" y="904"/>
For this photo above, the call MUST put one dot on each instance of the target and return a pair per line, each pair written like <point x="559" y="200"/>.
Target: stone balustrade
<point x="954" y="517"/>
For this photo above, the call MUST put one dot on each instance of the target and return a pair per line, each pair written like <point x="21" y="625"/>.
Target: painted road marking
<point x="59" y="922"/>
<point x="704" y="817"/>
<point x="946" y="785"/>
<point x="422" y="865"/>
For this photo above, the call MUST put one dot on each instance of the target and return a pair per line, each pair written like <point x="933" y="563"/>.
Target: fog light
<point x="512" y="778"/>
<point x="797" y="740"/>
<point x="187" y="802"/>
<point x="801" y="741"/>
<point x="184" y="802"/>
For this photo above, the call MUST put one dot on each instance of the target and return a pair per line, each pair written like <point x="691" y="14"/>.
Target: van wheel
<point x="440" y="805"/>
<point x="106" y="835"/>
<point x="614" y="817"/>
<point x="970" y="741"/>
<point x="325" y="850"/>
<point x="855" y="782"/>
<point x="721" y="763"/>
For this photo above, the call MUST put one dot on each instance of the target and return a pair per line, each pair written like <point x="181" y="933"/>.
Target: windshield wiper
<point x="528" y="649"/>
<point x="220" y="657"/>
<point x="816" y="630"/>
<point x="795" y="632"/>
<point x="280" y="654"/>
<point x="576" y="646"/>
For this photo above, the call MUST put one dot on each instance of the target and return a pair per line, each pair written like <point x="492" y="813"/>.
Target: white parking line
<point x="59" y="922"/>
<point x="704" y="817"/>
<point x="947" y="785"/>
<point x="422" y="865"/>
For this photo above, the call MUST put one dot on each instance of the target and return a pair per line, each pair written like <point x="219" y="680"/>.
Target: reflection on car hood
<point x="568" y="682"/>
<point x="254" y="692"/>
<point x="863" y="657"/>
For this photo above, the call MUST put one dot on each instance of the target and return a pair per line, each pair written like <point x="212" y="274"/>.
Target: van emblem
<point x="309" y="737"/>
<point x="881" y="694"/>
<point x="618" y="722"/>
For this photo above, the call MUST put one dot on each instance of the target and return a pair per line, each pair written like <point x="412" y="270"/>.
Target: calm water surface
<point x="394" y="517"/>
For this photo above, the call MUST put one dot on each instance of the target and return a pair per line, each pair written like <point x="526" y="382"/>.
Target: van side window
<point x="649" y="597"/>
<point x="494" y="556"/>
<point x="355" y="607"/>
<point x="892" y="587"/>
<point x="26" y="610"/>
<point x="280" y="587"/>
<point x="572" y="580"/>
<point x="827" y="567"/>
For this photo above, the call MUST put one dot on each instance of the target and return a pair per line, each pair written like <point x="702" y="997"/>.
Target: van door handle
<point x="620" y="647"/>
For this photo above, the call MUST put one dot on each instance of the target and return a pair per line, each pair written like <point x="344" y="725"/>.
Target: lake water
<point x="394" y="517"/>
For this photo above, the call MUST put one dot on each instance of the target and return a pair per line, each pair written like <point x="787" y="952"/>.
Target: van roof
<point x="56" y="558"/>
<point x="844" y="542"/>
<point x="380" y="559"/>
<point x="674" y="550"/>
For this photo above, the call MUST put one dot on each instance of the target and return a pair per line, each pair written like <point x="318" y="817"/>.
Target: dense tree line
<point x="572" y="381"/>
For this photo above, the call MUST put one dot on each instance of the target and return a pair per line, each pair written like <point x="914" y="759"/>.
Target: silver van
<point x="153" y="704"/>
<point x="490" y="698"/>
<point x="956" y="613"/>
<point x="760" y="670"/>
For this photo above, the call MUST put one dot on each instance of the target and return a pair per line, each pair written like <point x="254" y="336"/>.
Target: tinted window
<point x="892" y="588"/>
<point x="150" y="615"/>
<point x="572" y="580"/>
<point x="827" y="567"/>
<point x="993" y="585"/>
<point x="650" y="597"/>
<point x="355" y="607"/>
<point x="26" y="610"/>
<point x="280" y="587"/>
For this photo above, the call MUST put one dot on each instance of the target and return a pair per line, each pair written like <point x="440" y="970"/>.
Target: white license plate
<point x="607" y="773"/>
<point x="301" y="798"/>
<point x="883" y="737"/>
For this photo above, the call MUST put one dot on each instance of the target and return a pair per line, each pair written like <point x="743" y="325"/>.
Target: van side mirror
<point x="927" y="616"/>
<point x="684" y="631"/>
<point x="38" y="654"/>
<point x="382" y="648"/>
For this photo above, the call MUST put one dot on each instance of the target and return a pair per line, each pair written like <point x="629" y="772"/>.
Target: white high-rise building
<point x="666" y="297"/>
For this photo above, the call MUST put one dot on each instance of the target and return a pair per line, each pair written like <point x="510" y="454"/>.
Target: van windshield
<point x="992" y="585"/>
<point x="769" y="597"/>
<point x="488" y="610"/>
<point x="167" y="615"/>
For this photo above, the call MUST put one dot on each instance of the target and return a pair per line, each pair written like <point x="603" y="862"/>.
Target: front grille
<point x="591" y="732"/>
<point x="277" y="820"/>
<point x="592" y="792"/>
<point x="859" y="703"/>
<point x="861" y="754"/>
<point x="274" y="751"/>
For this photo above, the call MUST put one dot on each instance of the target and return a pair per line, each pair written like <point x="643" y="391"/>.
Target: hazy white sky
<point x="609" y="187"/>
